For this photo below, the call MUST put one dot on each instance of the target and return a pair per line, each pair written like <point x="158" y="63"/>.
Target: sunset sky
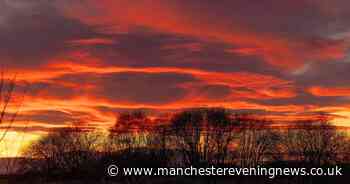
<point x="85" y="61"/>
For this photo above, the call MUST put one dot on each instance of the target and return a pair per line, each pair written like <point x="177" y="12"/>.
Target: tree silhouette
<point x="256" y="141"/>
<point x="314" y="142"/>
<point x="7" y="87"/>
<point x="204" y="135"/>
<point x="201" y="137"/>
<point x="189" y="128"/>
<point x="65" y="151"/>
<point x="131" y="130"/>
<point x="221" y="129"/>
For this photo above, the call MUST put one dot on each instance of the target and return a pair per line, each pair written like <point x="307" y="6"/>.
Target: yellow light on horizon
<point x="14" y="142"/>
<point x="344" y="120"/>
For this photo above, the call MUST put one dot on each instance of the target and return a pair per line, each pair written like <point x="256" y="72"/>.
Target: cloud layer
<point x="87" y="60"/>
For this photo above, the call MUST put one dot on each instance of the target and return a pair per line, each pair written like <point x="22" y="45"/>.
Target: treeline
<point x="196" y="137"/>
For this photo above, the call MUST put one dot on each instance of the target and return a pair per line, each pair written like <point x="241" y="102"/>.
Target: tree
<point x="205" y="135"/>
<point x="257" y="140"/>
<point x="7" y="87"/>
<point x="65" y="151"/>
<point x="188" y="126"/>
<point x="314" y="142"/>
<point x="221" y="130"/>
<point x="131" y="130"/>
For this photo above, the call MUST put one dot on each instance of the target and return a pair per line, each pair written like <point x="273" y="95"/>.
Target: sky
<point x="84" y="61"/>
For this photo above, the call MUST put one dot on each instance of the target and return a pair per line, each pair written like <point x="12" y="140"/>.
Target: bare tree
<point x="314" y="142"/>
<point x="204" y="135"/>
<point x="131" y="130"/>
<point x="189" y="128"/>
<point x="7" y="87"/>
<point x="256" y="142"/>
<point x="60" y="152"/>
<point x="221" y="129"/>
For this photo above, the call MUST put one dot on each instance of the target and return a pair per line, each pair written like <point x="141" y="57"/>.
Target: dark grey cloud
<point x="215" y="92"/>
<point x="143" y="88"/>
<point x="126" y="87"/>
<point x="146" y="48"/>
<point x="33" y="32"/>
<point x="327" y="74"/>
<point x="287" y="18"/>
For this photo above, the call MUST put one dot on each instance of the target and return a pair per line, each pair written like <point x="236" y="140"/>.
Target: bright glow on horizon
<point x="14" y="142"/>
<point x="344" y="120"/>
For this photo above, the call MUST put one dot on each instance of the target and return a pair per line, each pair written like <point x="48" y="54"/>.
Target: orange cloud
<point x="91" y="41"/>
<point x="329" y="91"/>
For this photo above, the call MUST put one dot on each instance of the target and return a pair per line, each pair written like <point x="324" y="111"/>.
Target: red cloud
<point x="329" y="91"/>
